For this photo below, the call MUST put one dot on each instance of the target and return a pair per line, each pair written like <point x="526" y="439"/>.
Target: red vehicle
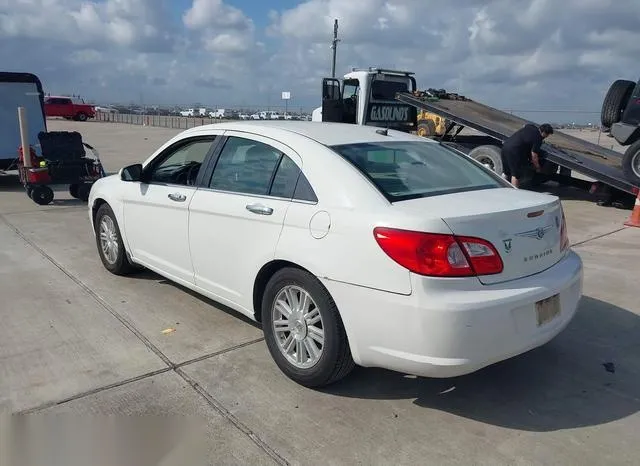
<point x="65" y="107"/>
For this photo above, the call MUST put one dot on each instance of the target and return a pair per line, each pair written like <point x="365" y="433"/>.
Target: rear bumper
<point x="457" y="328"/>
<point x="624" y="133"/>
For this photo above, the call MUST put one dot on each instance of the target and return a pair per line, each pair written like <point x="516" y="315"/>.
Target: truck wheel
<point x="615" y="101"/>
<point x="489" y="156"/>
<point x="81" y="116"/>
<point x="426" y="128"/>
<point x="631" y="162"/>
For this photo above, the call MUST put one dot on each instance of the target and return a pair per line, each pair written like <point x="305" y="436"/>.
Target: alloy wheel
<point x="297" y="326"/>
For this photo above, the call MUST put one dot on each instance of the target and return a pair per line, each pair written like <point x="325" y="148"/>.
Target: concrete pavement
<point x="78" y="340"/>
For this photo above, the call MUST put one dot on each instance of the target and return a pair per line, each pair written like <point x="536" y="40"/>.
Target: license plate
<point x="547" y="309"/>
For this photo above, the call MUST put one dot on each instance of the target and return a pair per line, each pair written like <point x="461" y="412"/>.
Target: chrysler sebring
<point x="349" y="244"/>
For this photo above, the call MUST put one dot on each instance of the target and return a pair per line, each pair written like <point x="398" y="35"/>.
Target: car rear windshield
<point x="413" y="169"/>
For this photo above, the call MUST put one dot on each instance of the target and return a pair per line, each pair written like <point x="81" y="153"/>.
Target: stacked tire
<point x="615" y="102"/>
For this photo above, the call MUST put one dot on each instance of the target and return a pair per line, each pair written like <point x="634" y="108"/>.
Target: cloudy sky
<point x="514" y="54"/>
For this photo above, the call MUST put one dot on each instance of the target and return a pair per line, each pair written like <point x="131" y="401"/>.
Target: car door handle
<point x="177" y="197"/>
<point x="259" y="209"/>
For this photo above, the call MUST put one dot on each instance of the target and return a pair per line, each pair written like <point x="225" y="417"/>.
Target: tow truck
<point x="390" y="99"/>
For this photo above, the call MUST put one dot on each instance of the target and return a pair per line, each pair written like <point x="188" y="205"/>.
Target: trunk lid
<point x="523" y="226"/>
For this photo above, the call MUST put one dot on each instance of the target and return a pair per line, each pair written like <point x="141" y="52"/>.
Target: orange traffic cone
<point x="634" y="219"/>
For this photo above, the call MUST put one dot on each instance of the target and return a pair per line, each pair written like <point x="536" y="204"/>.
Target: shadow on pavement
<point x="10" y="183"/>
<point x="146" y="274"/>
<point x="580" y="192"/>
<point x="562" y="385"/>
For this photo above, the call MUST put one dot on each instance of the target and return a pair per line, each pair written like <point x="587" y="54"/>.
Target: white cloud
<point x="525" y="53"/>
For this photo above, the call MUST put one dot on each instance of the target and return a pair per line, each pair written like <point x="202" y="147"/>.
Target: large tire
<point x="81" y="116"/>
<point x="106" y="226"/>
<point x="631" y="163"/>
<point x="426" y="128"/>
<point x="333" y="359"/>
<point x="615" y="101"/>
<point x="488" y="155"/>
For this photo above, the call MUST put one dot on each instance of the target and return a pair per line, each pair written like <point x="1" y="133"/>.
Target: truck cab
<point x="367" y="97"/>
<point x="68" y="108"/>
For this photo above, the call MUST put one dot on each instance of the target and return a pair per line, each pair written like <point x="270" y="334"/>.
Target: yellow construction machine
<point x="430" y="124"/>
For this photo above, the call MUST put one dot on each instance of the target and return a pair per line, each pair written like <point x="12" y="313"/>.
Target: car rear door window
<point x="290" y="183"/>
<point x="245" y="166"/>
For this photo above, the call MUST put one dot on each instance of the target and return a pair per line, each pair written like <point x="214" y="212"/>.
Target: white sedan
<point x="350" y="244"/>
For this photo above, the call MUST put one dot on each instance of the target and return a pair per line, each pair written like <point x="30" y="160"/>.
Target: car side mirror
<point x="131" y="173"/>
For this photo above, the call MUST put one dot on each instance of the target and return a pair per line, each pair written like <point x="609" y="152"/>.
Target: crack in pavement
<point x="78" y="396"/>
<point x="211" y="401"/>
<point x="604" y="235"/>
<point x="45" y="211"/>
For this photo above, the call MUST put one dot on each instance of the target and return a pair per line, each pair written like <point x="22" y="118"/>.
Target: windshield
<point x="413" y="169"/>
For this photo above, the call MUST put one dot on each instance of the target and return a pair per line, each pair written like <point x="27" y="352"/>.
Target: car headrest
<point x="257" y="154"/>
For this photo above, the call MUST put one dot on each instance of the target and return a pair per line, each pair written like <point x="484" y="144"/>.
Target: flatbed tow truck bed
<point x="597" y="162"/>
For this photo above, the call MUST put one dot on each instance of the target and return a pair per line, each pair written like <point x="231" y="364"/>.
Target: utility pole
<point x="334" y="46"/>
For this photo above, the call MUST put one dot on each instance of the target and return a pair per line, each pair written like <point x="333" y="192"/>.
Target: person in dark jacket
<point x="521" y="148"/>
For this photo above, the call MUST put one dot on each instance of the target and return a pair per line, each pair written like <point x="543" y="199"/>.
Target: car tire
<point x="615" y="101"/>
<point x="332" y="360"/>
<point x="42" y="195"/>
<point x="490" y="156"/>
<point x="81" y="116"/>
<point x="73" y="190"/>
<point x="631" y="163"/>
<point x="109" y="243"/>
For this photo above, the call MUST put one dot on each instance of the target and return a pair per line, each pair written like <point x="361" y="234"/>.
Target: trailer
<point x="19" y="90"/>
<point x="567" y="152"/>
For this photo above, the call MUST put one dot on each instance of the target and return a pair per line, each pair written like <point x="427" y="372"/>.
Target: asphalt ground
<point x="77" y="340"/>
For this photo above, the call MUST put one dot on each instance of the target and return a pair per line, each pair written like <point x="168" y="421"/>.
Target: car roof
<point x="328" y="134"/>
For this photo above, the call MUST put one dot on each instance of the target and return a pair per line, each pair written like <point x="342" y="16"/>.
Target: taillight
<point x="439" y="255"/>
<point x="564" y="236"/>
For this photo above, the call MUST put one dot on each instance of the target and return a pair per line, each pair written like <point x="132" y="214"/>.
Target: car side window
<point x="245" y="166"/>
<point x="289" y="182"/>
<point x="304" y="191"/>
<point x="181" y="165"/>
<point x="285" y="179"/>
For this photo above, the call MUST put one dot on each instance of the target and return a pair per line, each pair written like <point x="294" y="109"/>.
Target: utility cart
<point x="63" y="161"/>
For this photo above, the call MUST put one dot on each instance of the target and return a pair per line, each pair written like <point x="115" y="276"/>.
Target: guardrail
<point x="162" y="121"/>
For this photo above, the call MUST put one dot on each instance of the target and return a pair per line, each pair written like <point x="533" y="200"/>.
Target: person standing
<point x="521" y="148"/>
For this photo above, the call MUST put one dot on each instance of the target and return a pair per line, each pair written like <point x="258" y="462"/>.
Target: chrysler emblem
<point x="538" y="233"/>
